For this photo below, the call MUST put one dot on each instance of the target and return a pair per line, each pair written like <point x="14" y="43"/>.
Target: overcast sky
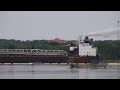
<point x="30" y="25"/>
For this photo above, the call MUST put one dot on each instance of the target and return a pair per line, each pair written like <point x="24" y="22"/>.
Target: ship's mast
<point x="118" y="26"/>
<point x="80" y="41"/>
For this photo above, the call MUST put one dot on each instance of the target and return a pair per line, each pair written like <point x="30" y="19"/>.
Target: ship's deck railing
<point x="33" y="52"/>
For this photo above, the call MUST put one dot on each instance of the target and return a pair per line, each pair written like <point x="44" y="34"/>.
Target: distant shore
<point x="50" y="64"/>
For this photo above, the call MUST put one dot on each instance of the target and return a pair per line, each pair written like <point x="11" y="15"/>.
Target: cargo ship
<point x="83" y="52"/>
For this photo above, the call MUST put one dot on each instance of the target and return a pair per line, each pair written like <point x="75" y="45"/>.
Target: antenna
<point x="118" y="26"/>
<point x="80" y="38"/>
<point x="80" y="41"/>
<point x="118" y="23"/>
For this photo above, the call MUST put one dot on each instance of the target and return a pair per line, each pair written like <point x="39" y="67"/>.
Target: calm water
<point x="56" y="72"/>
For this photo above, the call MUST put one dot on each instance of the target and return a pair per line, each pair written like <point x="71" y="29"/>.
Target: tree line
<point x="108" y="49"/>
<point x="34" y="44"/>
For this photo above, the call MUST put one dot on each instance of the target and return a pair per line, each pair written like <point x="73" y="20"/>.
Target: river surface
<point x="56" y="72"/>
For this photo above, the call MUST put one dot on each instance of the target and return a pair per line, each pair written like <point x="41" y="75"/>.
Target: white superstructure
<point x="86" y="49"/>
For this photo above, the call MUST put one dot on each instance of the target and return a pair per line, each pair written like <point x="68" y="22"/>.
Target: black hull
<point x="48" y="59"/>
<point x="34" y="59"/>
<point x="85" y="59"/>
